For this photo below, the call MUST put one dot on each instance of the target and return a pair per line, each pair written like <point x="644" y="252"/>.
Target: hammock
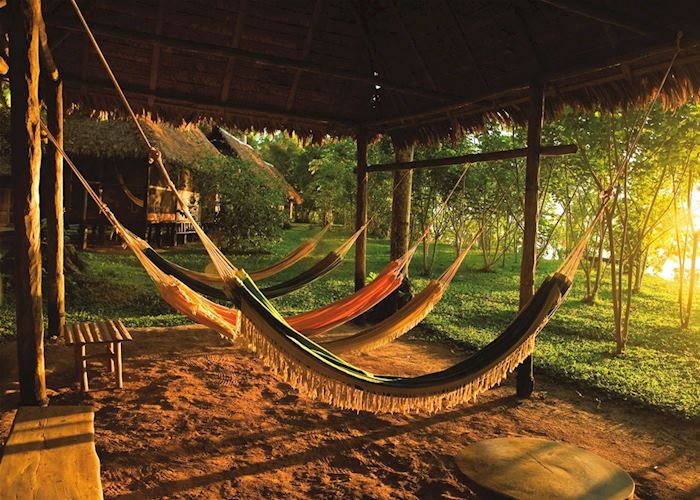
<point x="322" y="375"/>
<point x="132" y="197"/>
<point x="304" y="249"/>
<point x="318" y="373"/>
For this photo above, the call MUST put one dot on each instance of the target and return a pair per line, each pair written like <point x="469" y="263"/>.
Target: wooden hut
<point x="116" y="163"/>
<point x="417" y="71"/>
<point x="231" y="145"/>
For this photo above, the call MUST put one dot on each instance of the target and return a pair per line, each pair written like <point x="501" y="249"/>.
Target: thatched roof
<point x="414" y="69"/>
<point x="105" y="137"/>
<point x="245" y="152"/>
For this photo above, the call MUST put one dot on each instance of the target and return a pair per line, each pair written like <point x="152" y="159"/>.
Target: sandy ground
<point x="199" y="418"/>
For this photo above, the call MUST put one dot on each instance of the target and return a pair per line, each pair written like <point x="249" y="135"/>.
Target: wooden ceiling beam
<point x="211" y="106"/>
<point x="407" y="34"/>
<point x="530" y="41"/>
<point x="622" y="20"/>
<point x="155" y="56"/>
<point x="235" y="43"/>
<point x="587" y="66"/>
<point x="376" y="61"/>
<point x="562" y="88"/>
<point x="508" y="154"/>
<point x="318" y="7"/>
<point x="100" y="29"/>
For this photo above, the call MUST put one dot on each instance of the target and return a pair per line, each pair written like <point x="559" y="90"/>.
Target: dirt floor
<point x="199" y="418"/>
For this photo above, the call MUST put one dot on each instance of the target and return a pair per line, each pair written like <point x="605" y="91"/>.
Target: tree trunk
<point x="401" y="205"/>
<point x="361" y="210"/>
<point x="691" y="280"/>
<point x="24" y="19"/>
<point x="525" y="379"/>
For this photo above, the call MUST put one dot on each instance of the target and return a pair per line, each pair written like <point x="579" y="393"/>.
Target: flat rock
<point x="523" y="467"/>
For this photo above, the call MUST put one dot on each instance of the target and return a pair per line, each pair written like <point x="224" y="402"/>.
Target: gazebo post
<point x="53" y="97"/>
<point x="25" y="17"/>
<point x="401" y="204"/>
<point x="361" y="210"/>
<point x="525" y="377"/>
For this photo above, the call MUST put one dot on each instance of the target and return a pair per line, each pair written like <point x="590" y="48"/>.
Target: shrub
<point x="250" y="204"/>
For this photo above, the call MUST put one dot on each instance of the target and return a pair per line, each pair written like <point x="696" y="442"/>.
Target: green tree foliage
<point x="250" y="204"/>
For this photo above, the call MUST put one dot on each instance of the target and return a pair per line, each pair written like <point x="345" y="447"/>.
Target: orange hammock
<point x="340" y="312"/>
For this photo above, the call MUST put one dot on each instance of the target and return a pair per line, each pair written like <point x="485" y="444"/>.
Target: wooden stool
<point x="537" y="468"/>
<point x="112" y="333"/>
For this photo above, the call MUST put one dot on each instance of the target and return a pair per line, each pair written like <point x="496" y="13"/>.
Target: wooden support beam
<point x="53" y="180"/>
<point x="318" y="7"/>
<point x="361" y="202"/>
<point x="401" y="204"/>
<point x="525" y="378"/>
<point x="105" y="30"/>
<point x="25" y="18"/>
<point x="508" y="154"/>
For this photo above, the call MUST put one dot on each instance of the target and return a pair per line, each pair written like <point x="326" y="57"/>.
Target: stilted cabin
<point x="231" y="145"/>
<point x="116" y="163"/>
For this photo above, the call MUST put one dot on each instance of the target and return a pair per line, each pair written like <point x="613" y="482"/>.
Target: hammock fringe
<point x="317" y="386"/>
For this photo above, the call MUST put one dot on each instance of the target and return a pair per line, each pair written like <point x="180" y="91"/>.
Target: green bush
<point x="251" y="204"/>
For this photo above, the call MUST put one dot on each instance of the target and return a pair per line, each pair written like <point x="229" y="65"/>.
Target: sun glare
<point x="695" y="208"/>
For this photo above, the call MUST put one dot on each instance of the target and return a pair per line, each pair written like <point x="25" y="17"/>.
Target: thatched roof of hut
<point x="183" y="146"/>
<point x="415" y="69"/>
<point x="245" y="152"/>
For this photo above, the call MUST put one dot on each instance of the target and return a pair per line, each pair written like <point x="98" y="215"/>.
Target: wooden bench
<point x="50" y="454"/>
<point x="112" y="333"/>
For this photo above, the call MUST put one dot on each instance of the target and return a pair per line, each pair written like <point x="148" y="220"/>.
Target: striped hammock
<point x="304" y="249"/>
<point x="213" y="288"/>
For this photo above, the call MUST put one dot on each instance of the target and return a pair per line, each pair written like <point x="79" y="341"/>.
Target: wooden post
<point x="525" y="378"/>
<point x="361" y="210"/>
<point x="53" y="96"/>
<point x="401" y="204"/>
<point x="24" y="19"/>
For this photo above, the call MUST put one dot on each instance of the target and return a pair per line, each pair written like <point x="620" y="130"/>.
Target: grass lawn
<point x="660" y="369"/>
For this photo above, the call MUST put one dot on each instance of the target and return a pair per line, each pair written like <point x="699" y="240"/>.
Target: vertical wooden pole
<point x="401" y="204"/>
<point x="25" y="17"/>
<point x="83" y="223"/>
<point x="147" y="226"/>
<point x="361" y="210"/>
<point x="118" y="367"/>
<point x="53" y="96"/>
<point x="525" y="378"/>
